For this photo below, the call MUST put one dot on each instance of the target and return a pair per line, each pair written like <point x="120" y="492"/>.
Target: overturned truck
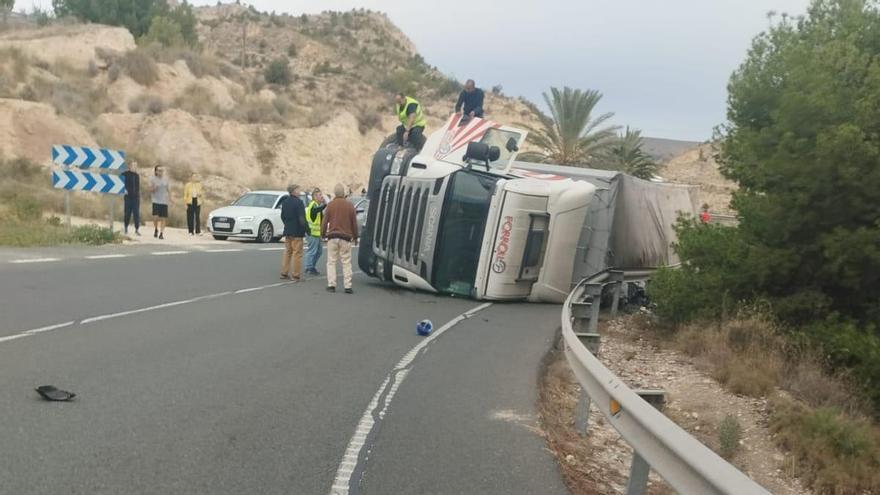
<point x="463" y="217"/>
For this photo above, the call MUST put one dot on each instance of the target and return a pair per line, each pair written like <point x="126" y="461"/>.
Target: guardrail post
<point x="582" y="413"/>
<point x="580" y="311"/>
<point x="616" y="278"/>
<point x="640" y="469"/>
<point x="595" y="293"/>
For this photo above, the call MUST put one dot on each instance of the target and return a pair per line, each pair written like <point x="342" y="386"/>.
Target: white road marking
<point x="153" y="308"/>
<point x="13" y="337"/>
<point x="345" y="473"/>
<point x="48" y="329"/>
<point x="168" y="253"/>
<point x="223" y="250"/>
<point x="272" y="249"/>
<point x="36" y="260"/>
<point x="106" y="256"/>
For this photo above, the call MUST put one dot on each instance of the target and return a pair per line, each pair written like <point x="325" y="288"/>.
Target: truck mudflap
<point x="390" y="159"/>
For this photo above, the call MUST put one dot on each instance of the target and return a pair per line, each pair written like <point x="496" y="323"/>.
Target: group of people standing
<point x="335" y="222"/>
<point x="160" y="196"/>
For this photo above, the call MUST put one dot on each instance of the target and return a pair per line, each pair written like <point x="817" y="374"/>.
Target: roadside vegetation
<point x="786" y="305"/>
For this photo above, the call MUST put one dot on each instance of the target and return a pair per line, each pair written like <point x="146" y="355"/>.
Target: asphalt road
<point x="260" y="387"/>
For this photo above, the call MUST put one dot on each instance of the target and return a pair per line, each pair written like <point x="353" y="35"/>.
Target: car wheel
<point x="221" y="237"/>
<point x="266" y="233"/>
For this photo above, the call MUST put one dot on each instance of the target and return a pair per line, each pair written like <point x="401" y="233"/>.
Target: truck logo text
<point x="503" y="245"/>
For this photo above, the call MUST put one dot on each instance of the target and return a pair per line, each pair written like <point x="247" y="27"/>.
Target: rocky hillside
<point x="212" y="110"/>
<point x="697" y="166"/>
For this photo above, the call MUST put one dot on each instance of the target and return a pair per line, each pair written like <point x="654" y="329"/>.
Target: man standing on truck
<point x="412" y="121"/>
<point x="470" y="102"/>
<point x="314" y="217"/>
<point x="340" y="229"/>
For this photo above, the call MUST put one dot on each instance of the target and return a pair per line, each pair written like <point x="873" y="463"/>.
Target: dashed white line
<point x="346" y="471"/>
<point x="106" y="256"/>
<point x="168" y="253"/>
<point x="272" y="249"/>
<point x="153" y="308"/>
<point x="35" y="260"/>
<point x="223" y="250"/>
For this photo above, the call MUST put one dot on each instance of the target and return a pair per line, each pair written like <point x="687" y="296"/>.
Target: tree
<point x="165" y="32"/>
<point x="570" y="135"/>
<point x="278" y="72"/>
<point x="803" y="142"/>
<point x="135" y="15"/>
<point x="626" y="154"/>
<point x="6" y="8"/>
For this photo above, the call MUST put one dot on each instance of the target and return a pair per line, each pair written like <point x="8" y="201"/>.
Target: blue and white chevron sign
<point x="84" y="157"/>
<point x="74" y="180"/>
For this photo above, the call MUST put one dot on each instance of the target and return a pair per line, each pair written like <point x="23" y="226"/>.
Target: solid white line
<point x="167" y="253"/>
<point x="13" y="337"/>
<point x="223" y="250"/>
<point x="245" y="291"/>
<point x="342" y="481"/>
<point x="49" y="328"/>
<point x="272" y="249"/>
<point x="106" y="256"/>
<point x="36" y="260"/>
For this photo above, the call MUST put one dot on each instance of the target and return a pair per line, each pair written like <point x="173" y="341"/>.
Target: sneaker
<point x="295" y="279"/>
<point x="330" y="288"/>
<point x="285" y="276"/>
<point x="349" y="291"/>
<point x="161" y="235"/>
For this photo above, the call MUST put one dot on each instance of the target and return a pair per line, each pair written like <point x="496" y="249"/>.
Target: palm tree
<point x="626" y="154"/>
<point x="570" y="136"/>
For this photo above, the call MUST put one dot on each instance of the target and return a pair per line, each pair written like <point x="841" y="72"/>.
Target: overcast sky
<point x="662" y="64"/>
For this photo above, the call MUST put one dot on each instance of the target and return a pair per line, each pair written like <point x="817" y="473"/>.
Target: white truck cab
<point x="461" y="217"/>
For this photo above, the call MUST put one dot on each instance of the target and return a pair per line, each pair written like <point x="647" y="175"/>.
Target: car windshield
<point x="258" y="200"/>
<point x="461" y="232"/>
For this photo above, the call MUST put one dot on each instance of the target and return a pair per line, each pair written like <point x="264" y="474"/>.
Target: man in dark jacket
<point x="293" y="214"/>
<point x="132" y="198"/>
<point x="470" y="102"/>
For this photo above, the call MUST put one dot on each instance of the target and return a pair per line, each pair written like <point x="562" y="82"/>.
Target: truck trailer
<point x="463" y="217"/>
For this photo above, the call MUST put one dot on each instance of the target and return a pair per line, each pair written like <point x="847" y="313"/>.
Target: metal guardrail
<point x="658" y="443"/>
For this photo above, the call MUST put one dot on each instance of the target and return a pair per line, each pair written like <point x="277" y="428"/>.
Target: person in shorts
<point x="160" y="190"/>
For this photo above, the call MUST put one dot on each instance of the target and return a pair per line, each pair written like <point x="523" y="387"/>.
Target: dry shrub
<point x="743" y="355"/>
<point x="368" y="120"/>
<point x="20" y="64"/>
<point x="838" y="454"/>
<point x="147" y="103"/>
<point x="255" y="110"/>
<point x="140" y="66"/>
<point x="197" y="100"/>
<point x="320" y="115"/>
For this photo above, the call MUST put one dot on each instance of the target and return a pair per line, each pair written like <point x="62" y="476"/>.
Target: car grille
<point x="400" y="220"/>
<point x="228" y="220"/>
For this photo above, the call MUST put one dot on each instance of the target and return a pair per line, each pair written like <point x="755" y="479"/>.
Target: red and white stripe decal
<point x="535" y="175"/>
<point x="456" y="137"/>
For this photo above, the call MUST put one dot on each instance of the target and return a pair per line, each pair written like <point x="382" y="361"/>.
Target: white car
<point x="255" y="215"/>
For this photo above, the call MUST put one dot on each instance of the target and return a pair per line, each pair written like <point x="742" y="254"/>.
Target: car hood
<point x="239" y="211"/>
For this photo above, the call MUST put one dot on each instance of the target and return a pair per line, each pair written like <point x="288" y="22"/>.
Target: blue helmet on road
<point x="424" y="327"/>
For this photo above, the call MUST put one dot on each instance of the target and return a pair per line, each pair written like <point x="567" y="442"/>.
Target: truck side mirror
<point x="494" y="153"/>
<point x="477" y="151"/>
<point x="512" y="145"/>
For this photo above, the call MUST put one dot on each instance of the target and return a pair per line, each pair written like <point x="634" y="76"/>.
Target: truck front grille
<point x="400" y="220"/>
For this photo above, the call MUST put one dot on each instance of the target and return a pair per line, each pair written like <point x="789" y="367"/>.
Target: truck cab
<point x="454" y="219"/>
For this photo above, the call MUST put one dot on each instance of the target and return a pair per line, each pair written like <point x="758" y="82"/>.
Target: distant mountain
<point x="667" y="149"/>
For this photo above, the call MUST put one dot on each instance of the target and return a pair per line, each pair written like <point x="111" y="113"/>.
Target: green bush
<point x="93" y="235"/>
<point x="26" y="208"/>
<point x="278" y="72"/>
<point x="729" y="433"/>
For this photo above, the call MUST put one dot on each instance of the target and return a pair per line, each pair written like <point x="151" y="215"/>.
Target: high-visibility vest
<point x="420" y="117"/>
<point x="314" y="227"/>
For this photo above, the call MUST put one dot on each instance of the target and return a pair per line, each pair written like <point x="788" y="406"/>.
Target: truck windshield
<point x="461" y="232"/>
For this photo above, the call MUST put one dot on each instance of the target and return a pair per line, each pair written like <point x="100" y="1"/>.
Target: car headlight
<point x="245" y="219"/>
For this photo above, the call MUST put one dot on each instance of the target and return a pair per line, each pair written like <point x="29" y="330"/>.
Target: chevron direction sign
<point x="84" y="157"/>
<point x="74" y="180"/>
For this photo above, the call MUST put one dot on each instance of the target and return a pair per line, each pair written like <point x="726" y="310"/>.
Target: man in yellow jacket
<point x="314" y="219"/>
<point x="412" y="121"/>
<point x="192" y="197"/>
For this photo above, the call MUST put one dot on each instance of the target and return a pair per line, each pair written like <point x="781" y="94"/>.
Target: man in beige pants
<point x="340" y="229"/>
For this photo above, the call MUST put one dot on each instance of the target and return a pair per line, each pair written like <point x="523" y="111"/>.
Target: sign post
<point x="69" y="177"/>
